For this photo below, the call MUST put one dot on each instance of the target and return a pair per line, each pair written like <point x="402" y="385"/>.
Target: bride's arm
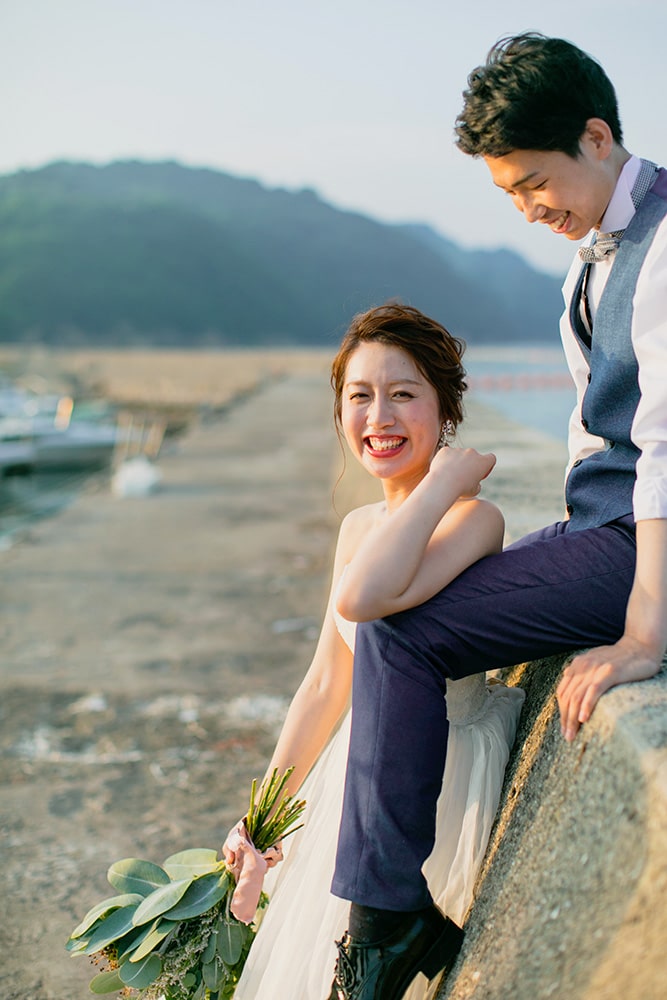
<point x="321" y="697"/>
<point x="425" y="543"/>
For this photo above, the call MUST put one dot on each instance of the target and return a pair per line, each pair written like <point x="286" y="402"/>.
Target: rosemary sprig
<point x="271" y="817"/>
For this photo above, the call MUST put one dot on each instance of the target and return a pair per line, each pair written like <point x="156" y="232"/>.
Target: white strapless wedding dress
<point x="293" y="955"/>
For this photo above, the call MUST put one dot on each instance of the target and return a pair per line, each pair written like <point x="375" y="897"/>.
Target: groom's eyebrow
<point x="516" y="184"/>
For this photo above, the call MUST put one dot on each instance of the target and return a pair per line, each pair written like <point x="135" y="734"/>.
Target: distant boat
<point x="16" y="458"/>
<point x="55" y="442"/>
<point x="81" y="445"/>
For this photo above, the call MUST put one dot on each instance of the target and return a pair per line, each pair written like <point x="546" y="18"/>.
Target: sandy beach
<point x="151" y="645"/>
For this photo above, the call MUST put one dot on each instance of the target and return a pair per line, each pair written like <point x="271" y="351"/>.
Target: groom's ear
<point x="597" y="138"/>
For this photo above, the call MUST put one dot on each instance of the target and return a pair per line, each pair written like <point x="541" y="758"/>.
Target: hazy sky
<point x="355" y="98"/>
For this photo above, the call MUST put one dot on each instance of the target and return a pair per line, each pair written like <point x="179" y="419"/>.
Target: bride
<point x="398" y="384"/>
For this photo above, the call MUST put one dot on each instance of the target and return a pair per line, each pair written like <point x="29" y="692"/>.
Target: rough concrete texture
<point x="571" y="900"/>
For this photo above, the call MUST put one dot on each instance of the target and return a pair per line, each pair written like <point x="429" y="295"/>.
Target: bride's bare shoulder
<point x="363" y="518"/>
<point x="357" y="524"/>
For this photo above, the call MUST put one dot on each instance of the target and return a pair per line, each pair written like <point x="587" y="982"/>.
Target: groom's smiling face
<point x="569" y="194"/>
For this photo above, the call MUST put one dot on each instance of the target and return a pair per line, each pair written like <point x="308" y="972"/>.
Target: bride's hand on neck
<point x="464" y="468"/>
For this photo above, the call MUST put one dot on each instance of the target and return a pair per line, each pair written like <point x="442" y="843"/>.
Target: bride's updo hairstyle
<point x="435" y="352"/>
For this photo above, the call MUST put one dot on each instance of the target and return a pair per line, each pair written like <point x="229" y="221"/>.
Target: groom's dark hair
<point x="534" y="92"/>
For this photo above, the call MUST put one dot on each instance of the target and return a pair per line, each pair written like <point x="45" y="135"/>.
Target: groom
<point x="544" y="117"/>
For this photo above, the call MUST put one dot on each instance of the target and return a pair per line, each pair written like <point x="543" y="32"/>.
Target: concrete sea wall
<point x="571" y="899"/>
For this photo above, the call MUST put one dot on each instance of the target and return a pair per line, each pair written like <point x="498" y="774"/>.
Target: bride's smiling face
<point x="390" y="412"/>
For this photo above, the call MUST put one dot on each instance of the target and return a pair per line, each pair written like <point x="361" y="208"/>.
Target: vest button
<point x="588" y="377"/>
<point x="584" y="424"/>
<point x="575" y="464"/>
<point x="569" y="508"/>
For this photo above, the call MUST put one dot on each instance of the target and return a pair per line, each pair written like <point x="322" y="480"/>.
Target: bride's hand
<point x="230" y="847"/>
<point x="234" y="857"/>
<point x="248" y="867"/>
<point x="464" y="466"/>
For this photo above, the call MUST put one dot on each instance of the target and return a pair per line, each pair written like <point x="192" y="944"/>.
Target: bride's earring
<point x="446" y="434"/>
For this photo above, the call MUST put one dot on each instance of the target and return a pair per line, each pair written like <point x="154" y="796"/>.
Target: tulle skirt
<point x="294" y="954"/>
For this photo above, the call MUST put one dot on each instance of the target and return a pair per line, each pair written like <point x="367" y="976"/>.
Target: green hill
<point x="158" y="253"/>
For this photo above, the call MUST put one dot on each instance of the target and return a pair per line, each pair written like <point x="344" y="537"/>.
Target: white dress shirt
<point x="649" y="341"/>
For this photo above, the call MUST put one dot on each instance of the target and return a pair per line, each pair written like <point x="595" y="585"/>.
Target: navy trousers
<point x="553" y="591"/>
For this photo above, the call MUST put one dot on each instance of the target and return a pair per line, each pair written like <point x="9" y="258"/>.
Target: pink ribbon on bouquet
<point x="249" y="868"/>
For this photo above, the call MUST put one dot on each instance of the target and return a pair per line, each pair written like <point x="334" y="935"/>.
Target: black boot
<point x="383" y="970"/>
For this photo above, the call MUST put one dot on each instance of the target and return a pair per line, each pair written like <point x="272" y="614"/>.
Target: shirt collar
<point x="621" y="208"/>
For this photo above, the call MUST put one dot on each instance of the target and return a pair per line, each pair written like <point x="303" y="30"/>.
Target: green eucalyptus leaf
<point x="115" y="926"/>
<point x="200" y="896"/>
<point x="76" y="946"/>
<point x="231" y="938"/>
<point x="156" y="933"/>
<point x="210" y="949"/>
<point x="104" y="908"/>
<point x="135" y="875"/>
<point x="106" y="982"/>
<point x="196" y="861"/>
<point x="141" y="974"/>
<point x="213" y="975"/>
<point x="128" y="944"/>
<point x="131" y="941"/>
<point x="189" y="979"/>
<point x="161" y="900"/>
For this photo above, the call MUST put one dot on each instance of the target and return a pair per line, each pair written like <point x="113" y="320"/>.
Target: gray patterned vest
<point x="599" y="487"/>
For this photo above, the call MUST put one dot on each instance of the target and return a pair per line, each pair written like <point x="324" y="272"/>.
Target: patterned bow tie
<point x="604" y="245"/>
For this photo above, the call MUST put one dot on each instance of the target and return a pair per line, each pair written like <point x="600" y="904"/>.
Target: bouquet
<point x="183" y="930"/>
